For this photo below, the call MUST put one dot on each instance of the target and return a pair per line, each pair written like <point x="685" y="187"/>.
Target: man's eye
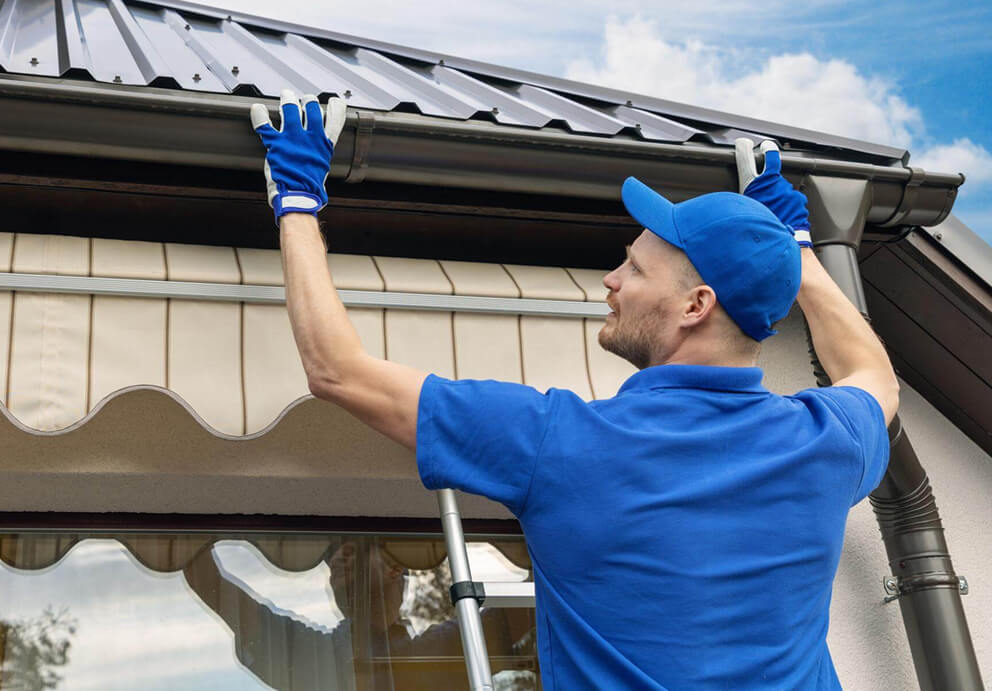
<point x="633" y="267"/>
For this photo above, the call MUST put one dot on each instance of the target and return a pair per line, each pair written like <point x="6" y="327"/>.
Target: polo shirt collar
<point x="730" y="379"/>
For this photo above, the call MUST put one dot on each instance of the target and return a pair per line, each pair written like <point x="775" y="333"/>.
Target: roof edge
<point x="605" y="94"/>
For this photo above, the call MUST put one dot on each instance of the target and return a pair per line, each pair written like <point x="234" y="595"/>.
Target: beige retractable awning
<point x="168" y="553"/>
<point x="166" y="404"/>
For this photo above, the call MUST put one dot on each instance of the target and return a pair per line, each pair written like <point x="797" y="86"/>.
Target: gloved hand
<point x="771" y="189"/>
<point x="299" y="155"/>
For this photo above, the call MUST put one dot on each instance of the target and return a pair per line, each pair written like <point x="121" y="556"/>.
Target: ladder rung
<point x="501" y="594"/>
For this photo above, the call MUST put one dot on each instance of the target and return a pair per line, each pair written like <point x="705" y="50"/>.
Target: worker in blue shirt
<point x="684" y="533"/>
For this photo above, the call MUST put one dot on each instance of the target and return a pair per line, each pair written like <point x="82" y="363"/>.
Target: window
<point x="351" y="611"/>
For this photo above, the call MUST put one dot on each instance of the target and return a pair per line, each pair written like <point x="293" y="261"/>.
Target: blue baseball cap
<point x="738" y="246"/>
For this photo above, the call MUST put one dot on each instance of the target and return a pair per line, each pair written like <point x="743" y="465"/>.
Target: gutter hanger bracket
<point x="908" y="200"/>
<point x="363" y="143"/>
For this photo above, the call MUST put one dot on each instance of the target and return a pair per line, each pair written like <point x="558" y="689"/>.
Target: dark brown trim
<point x="42" y="521"/>
<point x="935" y="317"/>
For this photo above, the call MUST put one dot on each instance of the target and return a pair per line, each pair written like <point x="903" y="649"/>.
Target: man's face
<point x="645" y="296"/>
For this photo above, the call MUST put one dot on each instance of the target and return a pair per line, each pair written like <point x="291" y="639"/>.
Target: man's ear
<point x="700" y="305"/>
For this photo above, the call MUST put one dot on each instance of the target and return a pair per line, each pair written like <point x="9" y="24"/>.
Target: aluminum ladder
<point x="467" y="595"/>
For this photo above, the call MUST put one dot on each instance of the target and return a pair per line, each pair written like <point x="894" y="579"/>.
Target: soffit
<point x="934" y="313"/>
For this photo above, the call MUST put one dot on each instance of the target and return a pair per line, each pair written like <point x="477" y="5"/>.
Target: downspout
<point x="923" y="578"/>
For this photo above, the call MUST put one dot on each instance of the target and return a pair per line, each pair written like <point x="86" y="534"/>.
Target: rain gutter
<point x="160" y="125"/>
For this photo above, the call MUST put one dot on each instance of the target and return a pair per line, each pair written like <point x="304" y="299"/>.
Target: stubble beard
<point x="633" y="340"/>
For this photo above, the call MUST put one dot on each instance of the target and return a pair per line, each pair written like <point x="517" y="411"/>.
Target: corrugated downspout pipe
<point x="923" y="578"/>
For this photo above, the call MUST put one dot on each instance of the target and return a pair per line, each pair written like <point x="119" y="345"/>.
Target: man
<point x="686" y="532"/>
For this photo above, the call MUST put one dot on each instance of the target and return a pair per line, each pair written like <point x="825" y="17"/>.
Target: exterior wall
<point x="867" y="639"/>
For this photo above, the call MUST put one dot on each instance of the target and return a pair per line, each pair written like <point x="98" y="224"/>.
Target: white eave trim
<point x="232" y="292"/>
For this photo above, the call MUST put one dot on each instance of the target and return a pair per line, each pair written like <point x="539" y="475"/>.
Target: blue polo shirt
<point x="684" y="533"/>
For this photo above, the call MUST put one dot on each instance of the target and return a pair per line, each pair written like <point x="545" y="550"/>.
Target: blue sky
<point x="914" y="75"/>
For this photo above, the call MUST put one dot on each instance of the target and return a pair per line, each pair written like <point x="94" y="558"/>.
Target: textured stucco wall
<point x="867" y="639"/>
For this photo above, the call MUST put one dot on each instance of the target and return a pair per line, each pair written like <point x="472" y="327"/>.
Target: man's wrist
<point x="296" y="222"/>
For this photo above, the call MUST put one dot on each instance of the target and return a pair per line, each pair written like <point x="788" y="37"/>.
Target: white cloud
<point x="795" y="89"/>
<point x="961" y="156"/>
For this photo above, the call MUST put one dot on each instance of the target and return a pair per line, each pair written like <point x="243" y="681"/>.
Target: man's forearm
<point x="844" y="342"/>
<point x="325" y="337"/>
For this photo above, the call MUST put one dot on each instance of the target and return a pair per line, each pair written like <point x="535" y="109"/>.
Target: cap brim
<point x="651" y="210"/>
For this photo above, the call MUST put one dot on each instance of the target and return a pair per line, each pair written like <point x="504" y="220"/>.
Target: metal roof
<point x="184" y="46"/>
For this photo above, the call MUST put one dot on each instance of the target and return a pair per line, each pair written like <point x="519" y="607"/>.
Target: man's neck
<point x="686" y="355"/>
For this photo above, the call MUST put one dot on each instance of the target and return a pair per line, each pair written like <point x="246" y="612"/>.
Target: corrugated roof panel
<point x="29" y="41"/>
<point x="269" y="50"/>
<point x="505" y="107"/>
<point x="230" y="60"/>
<point x="340" y="76"/>
<point x="652" y="126"/>
<point x="727" y="135"/>
<point x="202" y="49"/>
<point x="183" y="63"/>
<point x="72" y="54"/>
<point x="580" y="118"/>
<point x="414" y="87"/>
<point x="146" y="58"/>
<point x="207" y="49"/>
<point x="107" y="55"/>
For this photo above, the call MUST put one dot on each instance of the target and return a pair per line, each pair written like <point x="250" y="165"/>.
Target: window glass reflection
<point x="360" y="612"/>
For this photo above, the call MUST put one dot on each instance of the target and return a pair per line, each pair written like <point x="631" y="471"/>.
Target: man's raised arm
<point x="848" y="349"/>
<point x="381" y="394"/>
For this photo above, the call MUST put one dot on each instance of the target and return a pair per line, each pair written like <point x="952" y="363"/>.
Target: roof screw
<point x="34" y="61"/>
<point x="235" y="70"/>
<point x="637" y="125"/>
<point x="117" y="79"/>
<point x="938" y="236"/>
<point x="229" y="18"/>
<point x="963" y="585"/>
<point x="495" y="110"/>
<point x="347" y="93"/>
<point x="629" y="103"/>
<point x="196" y="77"/>
<point x="891" y="584"/>
<point x="441" y="62"/>
<point x="187" y="27"/>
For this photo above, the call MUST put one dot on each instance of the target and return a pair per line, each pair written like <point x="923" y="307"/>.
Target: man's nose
<point x="611" y="280"/>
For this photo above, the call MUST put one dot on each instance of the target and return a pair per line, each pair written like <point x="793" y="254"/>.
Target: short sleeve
<point x="866" y="420"/>
<point x="482" y="437"/>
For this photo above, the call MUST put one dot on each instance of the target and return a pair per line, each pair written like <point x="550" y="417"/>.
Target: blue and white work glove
<point x="299" y="155"/>
<point x="771" y="189"/>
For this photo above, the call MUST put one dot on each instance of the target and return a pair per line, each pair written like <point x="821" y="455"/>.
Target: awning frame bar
<point x="276" y="295"/>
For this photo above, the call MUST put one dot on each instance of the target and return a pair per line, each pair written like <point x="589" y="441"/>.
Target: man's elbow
<point x="317" y="387"/>
<point x="324" y="384"/>
<point x="331" y="383"/>
<point x="891" y="405"/>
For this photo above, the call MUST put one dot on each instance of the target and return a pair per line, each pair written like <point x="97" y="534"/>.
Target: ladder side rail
<point x="467" y="608"/>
